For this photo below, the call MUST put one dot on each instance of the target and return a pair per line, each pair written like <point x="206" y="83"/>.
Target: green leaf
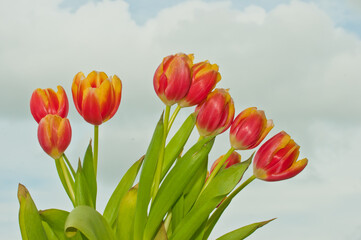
<point x="178" y="212"/>
<point x="125" y="223"/>
<point x="29" y="220"/>
<point x="55" y="219"/>
<point x="162" y="233"/>
<point x="49" y="232"/>
<point x="220" y="209"/>
<point x="89" y="222"/>
<point x="176" y="144"/>
<point x="175" y="183"/>
<point x="112" y="208"/>
<point x="82" y="192"/>
<point x="146" y="180"/>
<point x="89" y="174"/>
<point x="65" y="178"/>
<point x="243" y="232"/>
<point x="194" y="187"/>
<point x="217" y="189"/>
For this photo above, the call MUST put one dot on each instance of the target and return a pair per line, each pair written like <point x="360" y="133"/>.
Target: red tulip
<point x="54" y="135"/>
<point x="172" y="78"/>
<point x="277" y="159"/>
<point x="249" y="129"/>
<point x="215" y="114"/>
<point x="96" y="97"/>
<point x="205" y="76"/>
<point x="232" y="159"/>
<point x="47" y="101"/>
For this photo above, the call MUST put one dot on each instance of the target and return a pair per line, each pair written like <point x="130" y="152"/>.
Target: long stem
<point x="158" y="173"/>
<point x="174" y="115"/>
<point x="218" y="167"/>
<point x="69" y="165"/>
<point x="65" y="178"/>
<point x="96" y="142"/>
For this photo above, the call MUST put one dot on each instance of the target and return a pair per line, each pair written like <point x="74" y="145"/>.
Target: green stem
<point x="65" y="178"/>
<point x="218" y="167"/>
<point x="174" y="115"/>
<point x="158" y="173"/>
<point x="69" y="165"/>
<point x="96" y="143"/>
<point x="243" y="185"/>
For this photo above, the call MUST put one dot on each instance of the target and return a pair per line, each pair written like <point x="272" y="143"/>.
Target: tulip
<point x="96" y="97"/>
<point x="215" y="114"/>
<point x="47" y="101"/>
<point x="54" y="135"/>
<point x="277" y="159"/>
<point x="232" y="159"/>
<point x="205" y="76"/>
<point x="172" y="78"/>
<point x="249" y="128"/>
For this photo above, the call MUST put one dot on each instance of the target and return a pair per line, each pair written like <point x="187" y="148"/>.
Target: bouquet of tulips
<point x="176" y="197"/>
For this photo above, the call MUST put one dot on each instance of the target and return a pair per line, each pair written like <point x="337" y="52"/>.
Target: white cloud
<point x="290" y="61"/>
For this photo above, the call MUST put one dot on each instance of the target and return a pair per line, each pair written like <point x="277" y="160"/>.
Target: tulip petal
<point x="90" y="107"/>
<point x="75" y="89"/>
<point x="295" y="169"/>
<point x="117" y="87"/>
<point x="265" y="152"/>
<point x="38" y="104"/>
<point x="105" y="96"/>
<point x="63" y="108"/>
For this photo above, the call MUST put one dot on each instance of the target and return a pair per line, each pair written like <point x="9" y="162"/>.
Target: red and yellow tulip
<point x="96" y="97"/>
<point x="54" y="135"/>
<point x="215" y="114"/>
<point x="277" y="159"/>
<point x="205" y="76"/>
<point x="249" y="128"/>
<point x="172" y="78"/>
<point x="232" y="159"/>
<point x="47" y="101"/>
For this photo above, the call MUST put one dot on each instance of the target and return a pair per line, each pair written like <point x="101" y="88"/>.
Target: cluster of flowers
<point x="178" y="81"/>
<point x="176" y="194"/>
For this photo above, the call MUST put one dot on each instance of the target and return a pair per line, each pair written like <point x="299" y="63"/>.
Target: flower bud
<point x="249" y="128"/>
<point x="276" y="159"/>
<point x="54" y="135"/>
<point x="172" y="78"/>
<point x="205" y="76"/>
<point x="215" y="114"/>
<point x="232" y="159"/>
<point x="47" y="101"/>
<point x="96" y="97"/>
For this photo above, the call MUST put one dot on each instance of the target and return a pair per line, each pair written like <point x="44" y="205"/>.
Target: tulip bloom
<point x="249" y="129"/>
<point x="172" y="78"/>
<point x="277" y="159"/>
<point x="205" y="76"/>
<point x="215" y="114"/>
<point x="232" y="159"/>
<point x="54" y="134"/>
<point x="47" y="101"/>
<point x="96" y="97"/>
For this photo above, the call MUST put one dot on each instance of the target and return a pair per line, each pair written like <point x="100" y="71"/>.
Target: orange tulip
<point x="47" y="101"/>
<point x="54" y="135"/>
<point x="215" y="114"/>
<point x="276" y="159"/>
<point x="205" y="76"/>
<point x="172" y="78"/>
<point x="249" y="128"/>
<point x="96" y="97"/>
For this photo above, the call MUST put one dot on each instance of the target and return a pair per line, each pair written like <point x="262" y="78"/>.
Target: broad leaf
<point x="82" y="192"/>
<point x="89" y="222"/>
<point x="125" y="221"/>
<point x="29" y="220"/>
<point x="89" y="174"/>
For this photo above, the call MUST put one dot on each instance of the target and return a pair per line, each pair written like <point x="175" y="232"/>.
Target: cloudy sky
<point x="299" y="61"/>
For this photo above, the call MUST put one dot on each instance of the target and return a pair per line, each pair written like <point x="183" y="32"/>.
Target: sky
<point x="299" y="61"/>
